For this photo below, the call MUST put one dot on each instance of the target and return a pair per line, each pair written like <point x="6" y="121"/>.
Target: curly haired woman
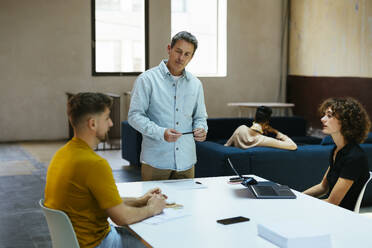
<point x="348" y="123"/>
<point x="258" y="134"/>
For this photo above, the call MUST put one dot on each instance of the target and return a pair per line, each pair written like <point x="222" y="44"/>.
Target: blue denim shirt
<point x="159" y="102"/>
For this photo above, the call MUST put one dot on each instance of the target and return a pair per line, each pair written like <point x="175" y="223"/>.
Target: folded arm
<point x="281" y="141"/>
<point x="142" y="201"/>
<point x="133" y="210"/>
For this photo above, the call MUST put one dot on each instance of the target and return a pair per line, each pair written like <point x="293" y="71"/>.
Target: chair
<point x="61" y="231"/>
<point x="361" y="194"/>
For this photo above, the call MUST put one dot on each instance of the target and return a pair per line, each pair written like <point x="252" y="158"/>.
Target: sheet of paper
<point x="167" y="215"/>
<point x="184" y="184"/>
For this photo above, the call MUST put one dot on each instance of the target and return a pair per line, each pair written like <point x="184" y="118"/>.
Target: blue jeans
<point x="120" y="237"/>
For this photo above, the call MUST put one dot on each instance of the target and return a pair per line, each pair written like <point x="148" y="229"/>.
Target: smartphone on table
<point x="233" y="220"/>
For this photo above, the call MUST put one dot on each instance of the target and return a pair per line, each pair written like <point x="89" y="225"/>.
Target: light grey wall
<point x="45" y="51"/>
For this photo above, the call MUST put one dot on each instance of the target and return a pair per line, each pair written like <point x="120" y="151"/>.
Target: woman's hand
<point x="266" y="128"/>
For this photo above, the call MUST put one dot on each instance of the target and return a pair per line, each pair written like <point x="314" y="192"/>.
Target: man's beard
<point x="103" y="138"/>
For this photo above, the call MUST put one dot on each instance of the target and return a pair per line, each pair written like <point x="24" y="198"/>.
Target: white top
<point x="245" y="137"/>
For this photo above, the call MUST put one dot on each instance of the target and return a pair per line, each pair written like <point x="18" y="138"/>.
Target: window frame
<point x="93" y="43"/>
<point x="221" y="41"/>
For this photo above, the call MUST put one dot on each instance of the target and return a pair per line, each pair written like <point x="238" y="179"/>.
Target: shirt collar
<point x="343" y="150"/>
<point x="80" y="142"/>
<point x="346" y="148"/>
<point x="165" y="71"/>
<point x="257" y="127"/>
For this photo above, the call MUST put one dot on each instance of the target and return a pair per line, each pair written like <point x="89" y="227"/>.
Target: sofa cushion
<point x="212" y="159"/>
<point x="220" y="141"/>
<point x="131" y="143"/>
<point x="329" y="141"/>
<point x="306" y="140"/>
<point x="223" y="128"/>
<point x="298" y="169"/>
<point x="369" y="139"/>
<point x="290" y="126"/>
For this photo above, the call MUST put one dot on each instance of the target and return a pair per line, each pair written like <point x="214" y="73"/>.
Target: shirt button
<point x="177" y="123"/>
<point x="176" y="148"/>
<point x="176" y="109"/>
<point x="174" y="97"/>
<point x="174" y="85"/>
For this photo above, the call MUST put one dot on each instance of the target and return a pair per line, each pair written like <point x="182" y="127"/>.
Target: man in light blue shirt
<point x="167" y="107"/>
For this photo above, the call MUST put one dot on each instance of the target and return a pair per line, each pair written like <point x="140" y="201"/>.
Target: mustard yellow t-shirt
<point x="80" y="183"/>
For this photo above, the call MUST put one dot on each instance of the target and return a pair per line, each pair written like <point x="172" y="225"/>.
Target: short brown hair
<point x="85" y="103"/>
<point x="355" y="122"/>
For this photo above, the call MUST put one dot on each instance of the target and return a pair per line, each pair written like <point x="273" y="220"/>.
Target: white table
<point x="279" y="108"/>
<point x="221" y="200"/>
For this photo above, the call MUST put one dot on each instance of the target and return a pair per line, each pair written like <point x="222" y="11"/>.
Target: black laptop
<point x="270" y="190"/>
<point x="235" y="171"/>
<point x="267" y="189"/>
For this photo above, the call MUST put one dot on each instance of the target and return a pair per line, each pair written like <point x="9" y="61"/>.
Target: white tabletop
<point x="222" y="200"/>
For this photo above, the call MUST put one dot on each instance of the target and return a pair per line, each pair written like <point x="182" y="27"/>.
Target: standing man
<point x="81" y="184"/>
<point x="167" y="102"/>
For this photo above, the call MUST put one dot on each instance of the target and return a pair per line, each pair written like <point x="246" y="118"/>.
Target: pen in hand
<point x="188" y="133"/>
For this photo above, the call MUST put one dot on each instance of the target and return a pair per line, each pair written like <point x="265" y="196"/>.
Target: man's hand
<point x="171" y="135"/>
<point x="200" y="134"/>
<point x="156" y="204"/>
<point x="156" y="191"/>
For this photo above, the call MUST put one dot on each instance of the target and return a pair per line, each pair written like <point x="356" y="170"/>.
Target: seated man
<point x="80" y="182"/>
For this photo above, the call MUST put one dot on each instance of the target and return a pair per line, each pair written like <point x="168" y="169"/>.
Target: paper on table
<point x="167" y="215"/>
<point x="293" y="234"/>
<point x="184" y="184"/>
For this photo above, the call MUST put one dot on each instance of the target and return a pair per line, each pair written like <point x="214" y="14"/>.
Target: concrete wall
<point x="45" y="52"/>
<point x="330" y="54"/>
<point x="331" y="38"/>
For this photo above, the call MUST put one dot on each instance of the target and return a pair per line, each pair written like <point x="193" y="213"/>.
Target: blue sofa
<point x="298" y="169"/>
<point x="219" y="131"/>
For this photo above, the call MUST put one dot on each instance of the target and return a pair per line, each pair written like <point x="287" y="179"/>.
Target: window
<point x="119" y="37"/>
<point x="206" y="20"/>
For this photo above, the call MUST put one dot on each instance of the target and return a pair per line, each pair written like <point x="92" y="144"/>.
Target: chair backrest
<point x="360" y="197"/>
<point x="61" y="230"/>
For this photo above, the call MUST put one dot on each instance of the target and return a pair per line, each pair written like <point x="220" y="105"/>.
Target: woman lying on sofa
<point x="259" y="133"/>
<point x="348" y="123"/>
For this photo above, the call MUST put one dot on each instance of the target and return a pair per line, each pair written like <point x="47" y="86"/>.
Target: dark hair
<point x="263" y="114"/>
<point x="354" y="120"/>
<point x="86" y="103"/>
<point x="184" y="35"/>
